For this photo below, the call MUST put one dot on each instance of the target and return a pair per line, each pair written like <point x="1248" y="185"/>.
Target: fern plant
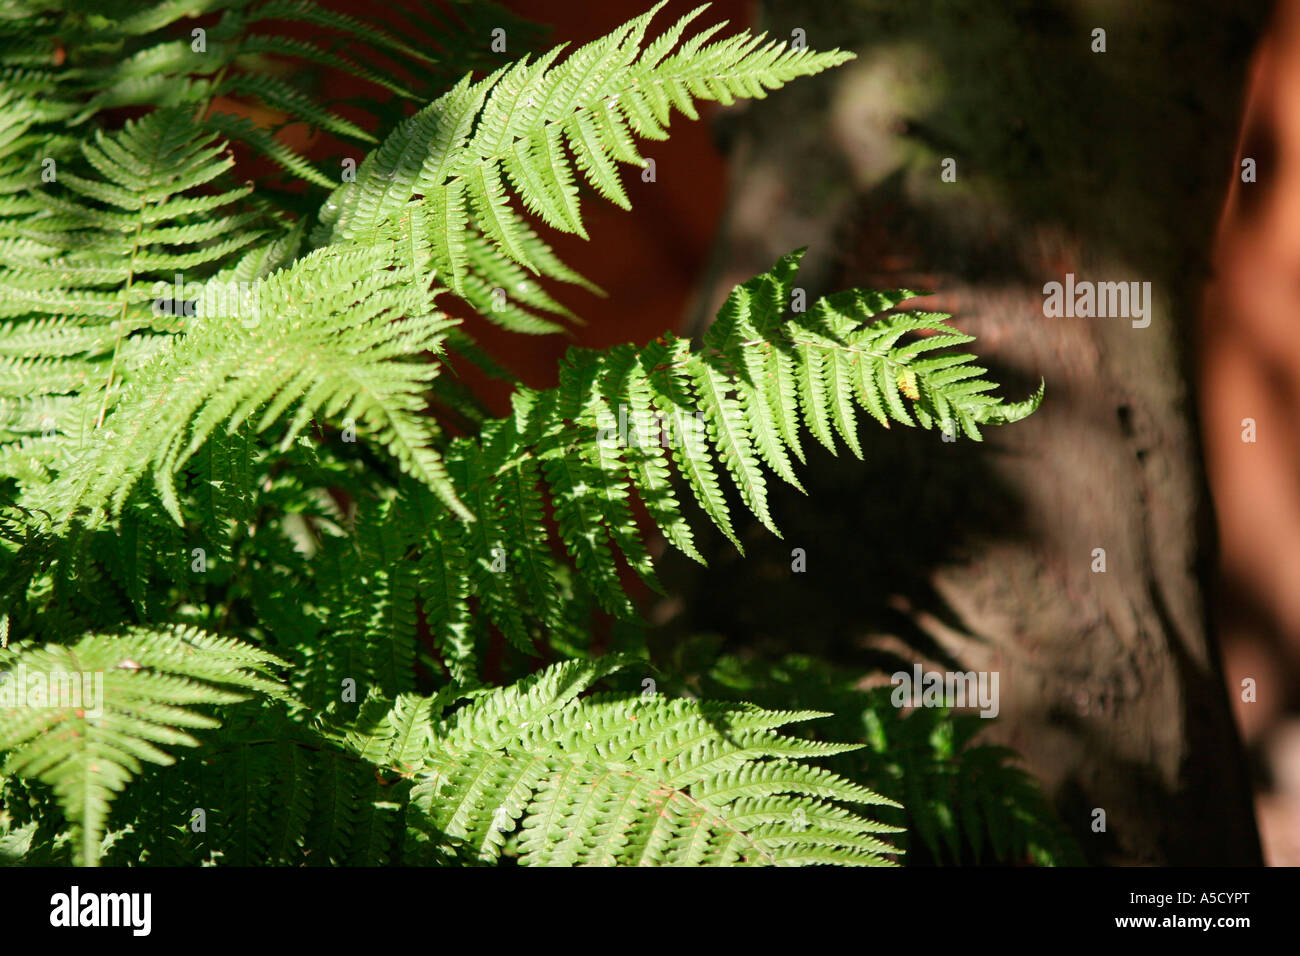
<point x="339" y="613"/>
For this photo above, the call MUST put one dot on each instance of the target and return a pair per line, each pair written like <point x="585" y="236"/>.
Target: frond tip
<point x="531" y="129"/>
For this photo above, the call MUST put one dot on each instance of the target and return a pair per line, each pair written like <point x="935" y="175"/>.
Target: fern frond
<point x="339" y="333"/>
<point x="617" y="780"/>
<point x="151" y="54"/>
<point x="527" y="131"/>
<point x="221" y="414"/>
<point x="619" y="418"/>
<point x="81" y="287"/>
<point x="83" y="718"/>
<point x="963" y="801"/>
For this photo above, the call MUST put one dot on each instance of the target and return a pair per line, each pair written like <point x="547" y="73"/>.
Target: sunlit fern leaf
<point x="90" y="280"/>
<point x="340" y="333"/>
<point x="87" y="746"/>
<point x="181" y="375"/>
<point x="619" y="780"/>
<point x="529" y="130"/>
<point x="621" y="422"/>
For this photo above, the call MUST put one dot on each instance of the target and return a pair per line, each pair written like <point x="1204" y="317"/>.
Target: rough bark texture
<point x="1107" y="165"/>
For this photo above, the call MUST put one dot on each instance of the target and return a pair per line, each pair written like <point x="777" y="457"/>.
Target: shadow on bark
<point x="1107" y="165"/>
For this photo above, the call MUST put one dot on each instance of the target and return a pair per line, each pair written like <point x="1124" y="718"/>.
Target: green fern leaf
<point x="519" y="121"/>
<point x="145" y="683"/>
<point x="615" y="780"/>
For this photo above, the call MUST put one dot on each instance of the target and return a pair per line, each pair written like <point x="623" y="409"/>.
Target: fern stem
<point x="121" y="319"/>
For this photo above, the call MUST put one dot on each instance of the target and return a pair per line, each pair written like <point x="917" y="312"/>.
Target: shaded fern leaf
<point x="273" y="55"/>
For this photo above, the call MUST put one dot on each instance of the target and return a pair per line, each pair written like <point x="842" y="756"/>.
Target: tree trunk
<point x="1107" y="165"/>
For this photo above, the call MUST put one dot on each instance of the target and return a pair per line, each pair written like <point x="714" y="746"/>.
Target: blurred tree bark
<point x="1110" y="165"/>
